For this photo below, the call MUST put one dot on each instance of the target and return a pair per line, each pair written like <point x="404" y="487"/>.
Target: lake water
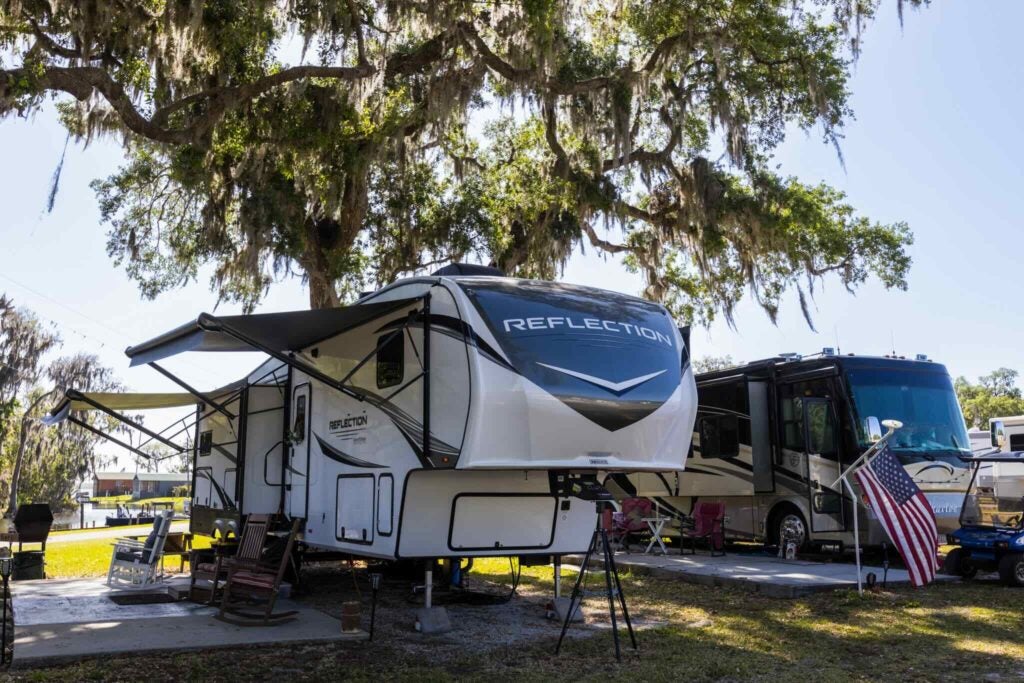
<point x="94" y="517"/>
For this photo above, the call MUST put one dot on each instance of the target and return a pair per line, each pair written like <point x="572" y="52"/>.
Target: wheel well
<point x="773" y="518"/>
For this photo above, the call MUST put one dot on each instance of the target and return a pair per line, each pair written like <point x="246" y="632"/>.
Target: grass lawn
<point x="950" y="631"/>
<point x="72" y="560"/>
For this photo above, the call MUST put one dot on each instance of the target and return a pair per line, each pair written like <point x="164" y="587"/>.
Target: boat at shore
<point x="128" y="521"/>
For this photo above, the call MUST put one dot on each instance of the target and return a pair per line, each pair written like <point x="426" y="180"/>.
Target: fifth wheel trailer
<point x="773" y="436"/>
<point x="452" y="415"/>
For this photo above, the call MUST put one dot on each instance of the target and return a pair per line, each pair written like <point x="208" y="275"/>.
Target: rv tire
<point x="1011" y="569"/>
<point x="788" y="516"/>
<point x="959" y="563"/>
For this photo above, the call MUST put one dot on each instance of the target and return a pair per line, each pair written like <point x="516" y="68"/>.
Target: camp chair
<point x="630" y="521"/>
<point x="134" y="564"/>
<point x="706" y="524"/>
<point x="253" y="582"/>
<point x="250" y="549"/>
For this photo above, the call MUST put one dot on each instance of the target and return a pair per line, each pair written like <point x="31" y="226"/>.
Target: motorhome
<point x="1007" y="433"/>
<point x="455" y="415"/>
<point x="773" y="437"/>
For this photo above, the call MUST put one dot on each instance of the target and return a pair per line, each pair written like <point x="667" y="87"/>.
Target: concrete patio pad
<point x="56" y="621"/>
<point x="766" y="574"/>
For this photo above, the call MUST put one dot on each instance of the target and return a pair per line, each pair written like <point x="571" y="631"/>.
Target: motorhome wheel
<point x="1011" y="569"/>
<point x="959" y="563"/>
<point x="792" y="529"/>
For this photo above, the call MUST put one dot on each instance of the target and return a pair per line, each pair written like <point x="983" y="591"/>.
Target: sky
<point x="934" y="143"/>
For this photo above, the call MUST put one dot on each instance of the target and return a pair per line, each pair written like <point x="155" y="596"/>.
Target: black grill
<point x="33" y="522"/>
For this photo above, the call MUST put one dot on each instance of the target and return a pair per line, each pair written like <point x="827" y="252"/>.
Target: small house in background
<point x="112" y="484"/>
<point x="157" y="484"/>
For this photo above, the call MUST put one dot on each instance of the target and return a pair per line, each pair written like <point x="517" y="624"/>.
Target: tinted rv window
<point x="390" y="360"/>
<point x="299" y="425"/>
<point x="206" y="443"/>
<point x="612" y="358"/>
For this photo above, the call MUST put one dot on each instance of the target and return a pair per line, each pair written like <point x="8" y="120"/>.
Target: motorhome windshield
<point x="933" y="426"/>
<point x="996" y="496"/>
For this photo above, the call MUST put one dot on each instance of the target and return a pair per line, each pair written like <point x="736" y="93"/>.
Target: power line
<point x="94" y="321"/>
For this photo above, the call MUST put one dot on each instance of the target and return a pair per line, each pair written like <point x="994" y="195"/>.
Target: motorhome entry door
<point x="823" y="465"/>
<point x="298" y="458"/>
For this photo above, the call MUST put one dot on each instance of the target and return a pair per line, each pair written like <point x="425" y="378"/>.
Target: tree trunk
<point x="327" y="238"/>
<point x="19" y="458"/>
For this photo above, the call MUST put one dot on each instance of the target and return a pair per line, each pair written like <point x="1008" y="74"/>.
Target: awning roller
<point x="281" y="332"/>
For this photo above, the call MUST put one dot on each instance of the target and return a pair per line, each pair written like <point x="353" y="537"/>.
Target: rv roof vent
<point x="468" y="269"/>
<point x="921" y="356"/>
<point x="828" y="351"/>
<point x="789" y="356"/>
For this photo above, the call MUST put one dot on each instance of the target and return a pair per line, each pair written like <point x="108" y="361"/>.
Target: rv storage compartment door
<point x="355" y="508"/>
<point x="517" y="522"/>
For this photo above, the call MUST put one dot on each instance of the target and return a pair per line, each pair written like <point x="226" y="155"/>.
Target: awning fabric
<point x="124" y="401"/>
<point x="279" y="332"/>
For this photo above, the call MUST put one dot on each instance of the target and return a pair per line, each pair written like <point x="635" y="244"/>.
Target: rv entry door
<point x="298" y="456"/>
<point x="823" y="467"/>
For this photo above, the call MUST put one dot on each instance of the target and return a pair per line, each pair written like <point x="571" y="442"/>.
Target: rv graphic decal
<point x="338" y="455"/>
<point x="347" y="424"/>
<point x="614" y="387"/>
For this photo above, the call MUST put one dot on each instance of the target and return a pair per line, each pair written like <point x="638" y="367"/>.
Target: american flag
<point x="904" y="513"/>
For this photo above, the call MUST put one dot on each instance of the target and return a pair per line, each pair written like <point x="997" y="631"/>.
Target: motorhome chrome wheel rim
<point x="791" y="528"/>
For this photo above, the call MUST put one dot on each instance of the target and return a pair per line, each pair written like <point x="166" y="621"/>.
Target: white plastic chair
<point x="135" y="564"/>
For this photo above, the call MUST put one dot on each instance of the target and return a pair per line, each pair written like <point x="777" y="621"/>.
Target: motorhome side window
<point x="390" y="360"/>
<point x="792" y="412"/>
<point x="206" y="443"/>
<point x="299" y="425"/>
<point x="821" y="431"/>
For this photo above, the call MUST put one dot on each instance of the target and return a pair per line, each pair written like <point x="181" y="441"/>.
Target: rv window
<point x="821" y="433"/>
<point x="719" y="436"/>
<point x="793" y="423"/>
<point x="299" y="425"/>
<point x="206" y="443"/>
<point x="390" y="360"/>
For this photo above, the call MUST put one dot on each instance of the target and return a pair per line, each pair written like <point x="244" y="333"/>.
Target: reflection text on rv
<point x="552" y="322"/>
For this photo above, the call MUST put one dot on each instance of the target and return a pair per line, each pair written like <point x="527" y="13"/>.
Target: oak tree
<point x="350" y="141"/>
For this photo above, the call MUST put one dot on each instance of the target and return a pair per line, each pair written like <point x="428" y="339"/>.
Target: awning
<point x="122" y="401"/>
<point x="273" y="332"/>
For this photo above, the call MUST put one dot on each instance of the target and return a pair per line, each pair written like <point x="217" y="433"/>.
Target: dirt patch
<point x="477" y="627"/>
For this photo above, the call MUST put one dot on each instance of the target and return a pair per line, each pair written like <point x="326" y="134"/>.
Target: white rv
<point x="444" y="416"/>
<point x="774" y="435"/>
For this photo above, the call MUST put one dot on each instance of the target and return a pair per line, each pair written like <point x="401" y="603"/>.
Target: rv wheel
<point x="1011" y="569"/>
<point x="790" y="526"/>
<point x="959" y="563"/>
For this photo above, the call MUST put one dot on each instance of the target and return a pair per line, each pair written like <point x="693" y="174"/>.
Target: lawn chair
<point x="134" y="564"/>
<point x="630" y="521"/>
<point x="250" y="549"/>
<point x="254" y="582"/>
<point x="707" y="524"/>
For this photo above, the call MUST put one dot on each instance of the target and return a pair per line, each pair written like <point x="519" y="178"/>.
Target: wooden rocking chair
<point x="253" y="582"/>
<point x="250" y="549"/>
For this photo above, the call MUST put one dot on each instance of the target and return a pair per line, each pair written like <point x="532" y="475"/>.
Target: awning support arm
<point x="112" y="439"/>
<point x="367" y="357"/>
<point x="78" y="396"/>
<point x="288" y="358"/>
<point x="181" y="383"/>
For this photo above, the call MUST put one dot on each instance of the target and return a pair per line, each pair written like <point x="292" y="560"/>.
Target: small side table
<point x="656" y="524"/>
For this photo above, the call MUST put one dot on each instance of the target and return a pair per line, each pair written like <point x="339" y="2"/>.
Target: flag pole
<point x="892" y="426"/>
<point x="856" y="536"/>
